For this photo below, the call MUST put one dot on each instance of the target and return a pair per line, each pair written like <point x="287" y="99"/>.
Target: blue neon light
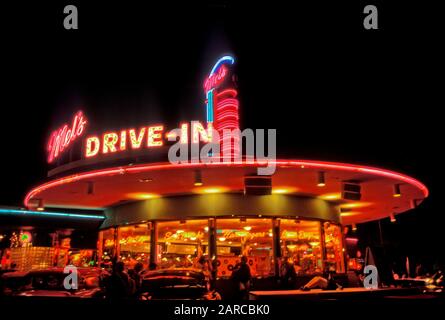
<point x="210" y="106"/>
<point x="53" y="214"/>
<point x="222" y="60"/>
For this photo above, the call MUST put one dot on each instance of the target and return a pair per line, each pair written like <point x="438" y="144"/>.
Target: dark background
<point x="333" y="90"/>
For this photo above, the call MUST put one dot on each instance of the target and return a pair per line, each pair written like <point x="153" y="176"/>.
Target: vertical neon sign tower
<point x="222" y="104"/>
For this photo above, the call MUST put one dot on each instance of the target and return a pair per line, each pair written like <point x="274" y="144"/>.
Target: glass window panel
<point x="182" y="243"/>
<point x="300" y="243"/>
<point x="134" y="245"/>
<point x="107" y="247"/>
<point x="249" y="237"/>
<point x="334" y="247"/>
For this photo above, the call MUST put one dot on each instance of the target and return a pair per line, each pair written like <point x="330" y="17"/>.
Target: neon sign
<point x="222" y="114"/>
<point x="233" y="234"/>
<point x="112" y="142"/>
<point x="215" y="79"/>
<point x="145" y="137"/>
<point x="60" y="139"/>
<point x="222" y="104"/>
<point x="25" y="237"/>
<point x="183" y="236"/>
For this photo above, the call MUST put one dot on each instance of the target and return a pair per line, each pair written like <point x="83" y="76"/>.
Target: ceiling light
<point x="321" y="179"/>
<point x="397" y="193"/>
<point x="40" y="206"/>
<point x="198" y="178"/>
<point x="90" y="188"/>
<point x="392" y="218"/>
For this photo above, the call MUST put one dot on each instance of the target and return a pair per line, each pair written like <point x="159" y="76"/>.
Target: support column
<point x="343" y="249"/>
<point x="153" y="242"/>
<point x="116" y="249"/>
<point x="213" y="251"/>
<point x="100" y="248"/>
<point x="276" y="245"/>
<point x="323" y="246"/>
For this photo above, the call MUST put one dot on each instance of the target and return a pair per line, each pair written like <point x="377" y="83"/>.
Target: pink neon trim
<point x="160" y="166"/>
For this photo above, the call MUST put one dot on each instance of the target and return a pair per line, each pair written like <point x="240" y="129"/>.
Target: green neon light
<point x="51" y="214"/>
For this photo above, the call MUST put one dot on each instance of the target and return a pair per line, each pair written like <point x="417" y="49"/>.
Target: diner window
<point x="334" y="247"/>
<point x="181" y="243"/>
<point x="134" y="245"/>
<point x="107" y="247"/>
<point x="250" y="237"/>
<point x="300" y="243"/>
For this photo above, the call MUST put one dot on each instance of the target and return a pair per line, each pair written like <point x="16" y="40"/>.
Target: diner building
<point x="170" y="214"/>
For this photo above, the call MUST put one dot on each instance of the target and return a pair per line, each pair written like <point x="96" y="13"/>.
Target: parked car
<point x="12" y="281"/>
<point x="173" y="284"/>
<point x="50" y="283"/>
<point x="428" y="284"/>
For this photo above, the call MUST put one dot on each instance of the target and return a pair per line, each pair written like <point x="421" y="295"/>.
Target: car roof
<point x="174" y="270"/>
<point x="14" y="274"/>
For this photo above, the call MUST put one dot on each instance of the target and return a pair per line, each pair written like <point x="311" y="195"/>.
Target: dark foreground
<point x="341" y="306"/>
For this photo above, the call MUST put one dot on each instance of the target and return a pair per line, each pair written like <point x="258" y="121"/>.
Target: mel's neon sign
<point x="61" y="138"/>
<point x="215" y="79"/>
<point x="221" y="136"/>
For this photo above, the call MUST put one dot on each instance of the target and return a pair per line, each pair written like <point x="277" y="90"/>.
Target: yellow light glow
<point x="280" y="191"/>
<point x="198" y="184"/>
<point x="397" y="195"/>
<point x="347" y="214"/>
<point x="355" y="205"/>
<point x="247" y="228"/>
<point x="331" y="196"/>
<point x="210" y="190"/>
<point x="321" y="184"/>
<point x="222" y="239"/>
<point x="283" y="190"/>
<point x="142" y="195"/>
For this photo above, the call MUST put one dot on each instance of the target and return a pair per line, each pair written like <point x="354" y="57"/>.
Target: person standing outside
<point x="241" y="278"/>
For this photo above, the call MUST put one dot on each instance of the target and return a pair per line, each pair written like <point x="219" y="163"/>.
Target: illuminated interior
<point x="134" y="245"/>
<point x="334" y="247"/>
<point x="181" y="243"/>
<point x="106" y="247"/>
<point x="250" y="237"/>
<point x="300" y="242"/>
<point x="312" y="246"/>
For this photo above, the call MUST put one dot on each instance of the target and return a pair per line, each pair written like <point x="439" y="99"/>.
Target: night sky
<point x="332" y="90"/>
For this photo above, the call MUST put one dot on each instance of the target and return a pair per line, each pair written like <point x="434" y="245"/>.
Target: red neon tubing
<point x="229" y="92"/>
<point x="247" y="162"/>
